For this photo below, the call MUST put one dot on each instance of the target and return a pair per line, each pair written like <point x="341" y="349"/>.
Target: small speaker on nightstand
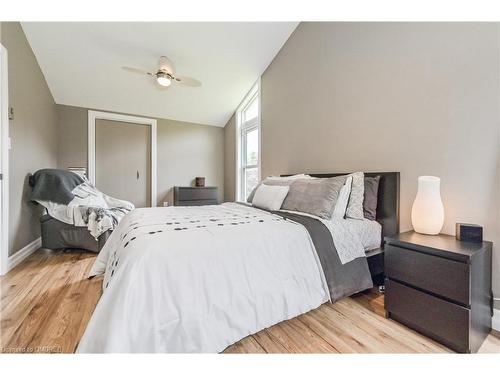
<point x="469" y="232"/>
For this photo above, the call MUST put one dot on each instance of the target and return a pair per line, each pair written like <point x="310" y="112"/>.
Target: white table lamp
<point x="427" y="213"/>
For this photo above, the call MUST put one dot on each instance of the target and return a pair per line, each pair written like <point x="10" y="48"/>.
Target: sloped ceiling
<point x="82" y="64"/>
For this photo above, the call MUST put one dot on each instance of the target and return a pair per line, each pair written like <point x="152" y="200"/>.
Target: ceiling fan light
<point x="163" y="80"/>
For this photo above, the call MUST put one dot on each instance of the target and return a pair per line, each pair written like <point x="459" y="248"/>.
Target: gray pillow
<point x="277" y="181"/>
<point x="315" y="196"/>
<point x="371" y="197"/>
<point x="252" y="193"/>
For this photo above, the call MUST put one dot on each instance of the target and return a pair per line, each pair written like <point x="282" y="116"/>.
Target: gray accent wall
<point x="72" y="136"/>
<point x="184" y="151"/>
<point x="419" y="98"/>
<point x="33" y="133"/>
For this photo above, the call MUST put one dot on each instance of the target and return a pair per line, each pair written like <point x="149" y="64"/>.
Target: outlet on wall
<point x="165" y="204"/>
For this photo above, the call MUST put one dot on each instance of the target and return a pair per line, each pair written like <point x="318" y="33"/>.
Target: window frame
<point x="242" y="130"/>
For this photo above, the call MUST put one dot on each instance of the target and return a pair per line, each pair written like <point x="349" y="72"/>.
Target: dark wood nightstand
<point x="195" y="196"/>
<point x="440" y="287"/>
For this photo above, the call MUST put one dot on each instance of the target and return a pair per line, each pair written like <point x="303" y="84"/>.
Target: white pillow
<point x="270" y="197"/>
<point x="343" y="200"/>
<point x="279" y="181"/>
<point x="355" y="205"/>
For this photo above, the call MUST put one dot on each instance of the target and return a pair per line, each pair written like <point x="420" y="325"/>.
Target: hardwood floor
<point x="47" y="301"/>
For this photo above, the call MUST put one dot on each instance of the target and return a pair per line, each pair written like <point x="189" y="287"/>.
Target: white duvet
<point x="198" y="279"/>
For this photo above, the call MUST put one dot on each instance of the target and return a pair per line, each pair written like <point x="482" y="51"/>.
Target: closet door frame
<point x="93" y="116"/>
<point x="6" y="262"/>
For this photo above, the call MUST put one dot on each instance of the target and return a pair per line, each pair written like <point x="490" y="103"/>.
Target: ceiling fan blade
<point x="167" y="65"/>
<point x="135" y="70"/>
<point x="187" y="81"/>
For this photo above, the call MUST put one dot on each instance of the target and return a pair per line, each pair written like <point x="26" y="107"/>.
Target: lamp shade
<point x="427" y="213"/>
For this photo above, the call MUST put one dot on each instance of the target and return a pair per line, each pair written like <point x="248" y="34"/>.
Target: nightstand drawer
<point x="195" y="196"/>
<point x="189" y="193"/>
<point x="443" y="277"/>
<point x="443" y="321"/>
<point x="199" y="202"/>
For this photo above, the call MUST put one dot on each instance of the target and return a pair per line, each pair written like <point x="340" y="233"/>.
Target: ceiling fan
<point x="165" y="74"/>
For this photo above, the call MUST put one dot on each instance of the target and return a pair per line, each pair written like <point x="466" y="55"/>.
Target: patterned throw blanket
<point x="99" y="219"/>
<point x="72" y="199"/>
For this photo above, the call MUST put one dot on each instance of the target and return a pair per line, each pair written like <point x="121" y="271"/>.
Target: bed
<point x="198" y="279"/>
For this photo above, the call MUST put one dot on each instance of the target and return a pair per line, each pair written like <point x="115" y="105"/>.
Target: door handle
<point x="137" y="174"/>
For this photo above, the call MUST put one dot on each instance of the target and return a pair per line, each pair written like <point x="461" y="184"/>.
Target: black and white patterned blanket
<point x="74" y="200"/>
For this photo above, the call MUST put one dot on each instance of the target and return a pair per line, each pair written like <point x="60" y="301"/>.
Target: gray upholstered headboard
<point x="388" y="199"/>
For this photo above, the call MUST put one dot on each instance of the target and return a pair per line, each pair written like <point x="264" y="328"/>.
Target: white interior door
<point x="4" y="163"/>
<point x="123" y="165"/>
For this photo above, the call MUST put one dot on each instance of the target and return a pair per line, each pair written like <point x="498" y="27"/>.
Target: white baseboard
<point x="25" y="252"/>
<point x="495" y="322"/>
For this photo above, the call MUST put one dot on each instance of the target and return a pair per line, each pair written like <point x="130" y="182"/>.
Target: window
<point x="248" y="134"/>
